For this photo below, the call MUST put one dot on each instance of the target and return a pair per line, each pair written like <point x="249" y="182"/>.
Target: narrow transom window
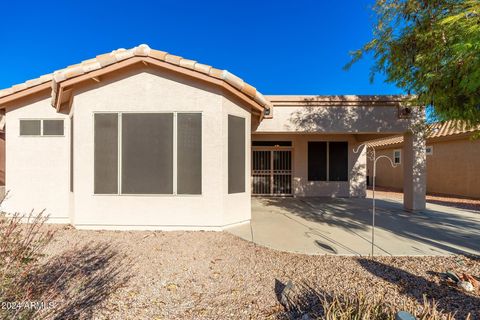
<point x="271" y="143"/>
<point x="397" y="156"/>
<point x="41" y="127"/>
<point x="30" y="127"/>
<point x="53" y="127"/>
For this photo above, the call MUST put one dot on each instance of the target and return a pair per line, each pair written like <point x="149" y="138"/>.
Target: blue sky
<point x="280" y="47"/>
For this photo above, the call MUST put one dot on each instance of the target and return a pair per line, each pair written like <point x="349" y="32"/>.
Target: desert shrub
<point x="68" y="285"/>
<point x="305" y="302"/>
<point x="22" y="242"/>
<point x="363" y="308"/>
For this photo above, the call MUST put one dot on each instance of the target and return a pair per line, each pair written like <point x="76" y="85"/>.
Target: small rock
<point x="285" y="292"/>
<point x="466" y="286"/>
<point x="306" y="316"/>
<point x="403" y="315"/>
<point x="171" y="287"/>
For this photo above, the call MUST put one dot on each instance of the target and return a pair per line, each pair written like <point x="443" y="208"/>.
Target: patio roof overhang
<point x="336" y="100"/>
<point x="366" y="116"/>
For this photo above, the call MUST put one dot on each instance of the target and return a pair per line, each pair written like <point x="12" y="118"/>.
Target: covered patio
<point x="342" y="226"/>
<point x="315" y="146"/>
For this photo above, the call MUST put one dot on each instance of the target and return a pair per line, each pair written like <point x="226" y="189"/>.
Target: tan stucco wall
<point x="147" y="92"/>
<point x="355" y="187"/>
<point x="237" y="206"/>
<point x="334" y="119"/>
<point x="37" y="167"/>
<point x="452" y="169"/>
<point x="387" y="176"/>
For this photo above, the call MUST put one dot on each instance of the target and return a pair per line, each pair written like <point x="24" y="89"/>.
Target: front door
<point x="271" y="171"/>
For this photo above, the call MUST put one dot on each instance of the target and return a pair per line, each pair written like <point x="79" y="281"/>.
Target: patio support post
<point x="358" y="174"/>
<point x="414" y="171"/>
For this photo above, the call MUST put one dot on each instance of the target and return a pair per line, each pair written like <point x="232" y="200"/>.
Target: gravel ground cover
<point x="215" y="275"/>
<point x="450" y="201"/>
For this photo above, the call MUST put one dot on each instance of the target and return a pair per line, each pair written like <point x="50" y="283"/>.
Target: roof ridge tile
<point x="141" y="50"/>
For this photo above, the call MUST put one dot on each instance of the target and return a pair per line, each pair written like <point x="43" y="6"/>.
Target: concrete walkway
<point x="343" y="226"/>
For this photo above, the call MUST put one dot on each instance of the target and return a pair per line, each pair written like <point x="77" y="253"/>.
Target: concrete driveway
<point x="343" y="226"/>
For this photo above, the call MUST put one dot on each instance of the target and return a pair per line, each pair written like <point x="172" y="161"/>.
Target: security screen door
<point x="271" y="171"/>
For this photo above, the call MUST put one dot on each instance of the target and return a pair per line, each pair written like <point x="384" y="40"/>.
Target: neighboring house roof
<point x="434" y="130"/>
<point x="117" y="56"/>
<point x="449" y="128"/>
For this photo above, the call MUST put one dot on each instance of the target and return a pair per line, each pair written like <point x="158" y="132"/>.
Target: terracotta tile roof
<point x="27" y="84"/>
<point x="449" y="128"/>
<point x="140" y="51"/>
<point x="386" y="141"/>
<point x="434" y="130"/>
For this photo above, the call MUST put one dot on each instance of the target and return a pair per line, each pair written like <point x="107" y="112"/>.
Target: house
<point x="452" y="160"/>
<point x="143" y="139"/>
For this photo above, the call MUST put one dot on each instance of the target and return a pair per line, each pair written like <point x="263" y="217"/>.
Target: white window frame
<point x="119" y="157"/>
<point x="41" y="128"/>
<point x="429" y="153"/>
<point x="399" y="156"/>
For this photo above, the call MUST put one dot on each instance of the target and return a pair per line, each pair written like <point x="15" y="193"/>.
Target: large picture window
<point x="147" y="153"/>
<point x="327" y="161"/>
<point x="145" y="162"/>
<point x="236" y="154"/>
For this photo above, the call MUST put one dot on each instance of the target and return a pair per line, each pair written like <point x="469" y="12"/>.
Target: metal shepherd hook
<point x="374" y="158"/>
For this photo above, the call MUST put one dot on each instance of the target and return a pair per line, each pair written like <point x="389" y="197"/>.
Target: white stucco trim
<point x="158" y="227"/>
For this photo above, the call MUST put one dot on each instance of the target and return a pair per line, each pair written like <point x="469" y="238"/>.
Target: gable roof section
<point x="116" y="58"/>
<point x="435" y="130"/>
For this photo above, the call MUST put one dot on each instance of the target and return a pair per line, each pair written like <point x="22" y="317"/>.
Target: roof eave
<point x="336" y="100"/>
<point x="58" y="89"/>
<point x="63" y="80"/>
<point x="5" y="100"/>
